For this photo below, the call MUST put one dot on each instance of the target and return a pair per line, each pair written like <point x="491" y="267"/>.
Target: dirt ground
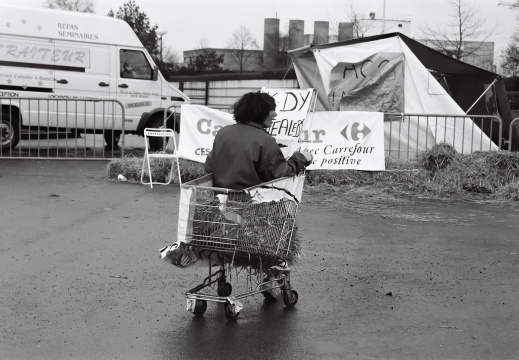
<point x="383" y="277"/>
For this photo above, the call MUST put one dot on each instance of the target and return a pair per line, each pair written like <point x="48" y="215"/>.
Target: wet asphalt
<point x="81" y="278"/>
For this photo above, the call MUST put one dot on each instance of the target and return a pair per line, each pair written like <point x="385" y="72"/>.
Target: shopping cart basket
<point x="253" y="228"/>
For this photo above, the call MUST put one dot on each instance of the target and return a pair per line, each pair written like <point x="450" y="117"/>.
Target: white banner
<point x="198" y="128"/>
<point x="292" y="107"/>
<point x="200" y="123"/>
<point x="337" y="139"/>
<point x="345" y="140"/>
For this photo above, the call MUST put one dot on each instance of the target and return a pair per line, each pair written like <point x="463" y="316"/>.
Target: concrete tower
<point x="345" y="31"/>
<point x="296" y="34"/>
<point x="271" y="43"/>
<point x="321" y="32"/>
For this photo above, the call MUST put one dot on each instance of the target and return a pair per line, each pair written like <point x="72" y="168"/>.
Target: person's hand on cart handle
<point x="308" y="156"/>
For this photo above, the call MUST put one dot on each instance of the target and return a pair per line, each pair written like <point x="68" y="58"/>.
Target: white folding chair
<point x="162" y="133"/>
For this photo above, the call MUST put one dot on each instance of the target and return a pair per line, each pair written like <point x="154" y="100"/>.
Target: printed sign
<point x="46" y="54"/>
<point x="337" y="139"/>
<point x="200" y="123"/>
<point x="341" y="140"/>
<point x="292" y="107"/>
<point x="375" y="84"/>
<point x="198" y="128"/>
<point x="191" y="305"/>
<point x="138" y="104"/>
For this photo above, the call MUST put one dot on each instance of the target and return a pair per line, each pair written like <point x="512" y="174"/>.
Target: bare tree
<point x="361" y="25"/>
<point x="171" y="55"/>
<point x="205" y="59"/>
<point x="86" y="6"/>
<point x="466" y="25"/>
<point x="510" y="56"/>
<point x="202" y="47"/>
<point x="512" y="5"/>
<point x="140" y="23"/>
<point x="241" y="44"/>
<point x="202" y="44"/>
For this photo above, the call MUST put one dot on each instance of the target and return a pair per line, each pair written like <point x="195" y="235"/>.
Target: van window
<point x="134" y="65"/>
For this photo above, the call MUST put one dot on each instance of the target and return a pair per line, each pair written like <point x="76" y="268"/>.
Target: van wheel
<point x="157" y="143"/>
<point x="112" y="138"/>
<point x="9" y="132"/>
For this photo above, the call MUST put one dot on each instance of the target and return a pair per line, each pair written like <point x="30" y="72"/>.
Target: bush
<point x="437" y="172"/>
<point x="480" y="172"/>
<point x="439" y="157"/>
<point x="131" y="167"/>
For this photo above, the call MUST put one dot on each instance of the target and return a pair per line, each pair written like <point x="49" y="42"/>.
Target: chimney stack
<point x="296" y="34"/>
<point x="270" y="43"/>
<point x="345" y="31"/>
<point x="321" y="32"/>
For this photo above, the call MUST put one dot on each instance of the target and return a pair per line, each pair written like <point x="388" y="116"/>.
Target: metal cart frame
<point x="235" y="228"/>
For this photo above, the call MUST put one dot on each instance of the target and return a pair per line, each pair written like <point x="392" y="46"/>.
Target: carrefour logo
<point x="352" y="131"/>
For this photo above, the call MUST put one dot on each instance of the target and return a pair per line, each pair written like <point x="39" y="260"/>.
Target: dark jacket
<point x="245" y="155"/>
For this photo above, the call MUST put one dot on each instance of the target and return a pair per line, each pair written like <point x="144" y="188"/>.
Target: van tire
<point x="112" y="138"/>
<point x="9" y="131"/>
<point x="156" y="143"/>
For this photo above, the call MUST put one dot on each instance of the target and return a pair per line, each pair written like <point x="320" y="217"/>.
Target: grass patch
<point x="439" y="172"/>
<point x="131" y="167"/>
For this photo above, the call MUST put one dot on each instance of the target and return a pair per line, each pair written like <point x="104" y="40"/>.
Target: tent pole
<point x="475" y="102"/>
<point x="384" y="18"/>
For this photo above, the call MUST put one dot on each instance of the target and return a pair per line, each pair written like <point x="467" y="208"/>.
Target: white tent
<point x="383" y="74"/>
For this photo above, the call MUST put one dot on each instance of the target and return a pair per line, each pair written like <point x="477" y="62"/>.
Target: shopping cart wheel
<point x="200" y="307"/>
<point x="224" y="289"/>
<point x="230" y="314"/>
<point x="290" y="298"/>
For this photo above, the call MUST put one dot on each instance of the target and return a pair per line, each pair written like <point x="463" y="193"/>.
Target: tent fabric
<point x="466" y="83"/>
<point x="460" y="84"/>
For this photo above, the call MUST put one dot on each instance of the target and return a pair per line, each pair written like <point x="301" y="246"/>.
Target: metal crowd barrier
<point x="511" y="133"/>
<point x="406" y="135"/>
<point x="57" y="129"/>
<point x="86" y="129"/>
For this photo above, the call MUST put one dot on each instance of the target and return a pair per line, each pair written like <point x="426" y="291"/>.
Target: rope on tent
<point x="484" y="92"/>
<point x="493" y="111"/>
<point x="290" y="67"/>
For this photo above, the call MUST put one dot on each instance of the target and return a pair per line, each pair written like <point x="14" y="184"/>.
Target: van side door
<point x="136" y="88"/>
<point x="82" y="75"/>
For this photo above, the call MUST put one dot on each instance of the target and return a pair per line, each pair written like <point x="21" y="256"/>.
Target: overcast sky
<point x="189" y="21"/>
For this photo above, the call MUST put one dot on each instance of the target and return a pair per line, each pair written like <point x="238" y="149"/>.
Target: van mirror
<point x="155" y="73"/>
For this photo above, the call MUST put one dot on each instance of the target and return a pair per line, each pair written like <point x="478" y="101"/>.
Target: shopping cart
<point x="252" y="229"/>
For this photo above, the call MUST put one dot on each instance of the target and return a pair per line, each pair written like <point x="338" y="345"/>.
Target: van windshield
<point x="134" y="65"/>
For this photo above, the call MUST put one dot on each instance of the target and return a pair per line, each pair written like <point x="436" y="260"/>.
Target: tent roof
<point x="430" y="58"/>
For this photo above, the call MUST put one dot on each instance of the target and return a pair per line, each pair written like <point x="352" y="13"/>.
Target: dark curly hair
<point x="253" y="107"/>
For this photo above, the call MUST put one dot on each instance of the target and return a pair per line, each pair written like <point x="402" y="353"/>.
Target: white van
<point x="56" y="54"/>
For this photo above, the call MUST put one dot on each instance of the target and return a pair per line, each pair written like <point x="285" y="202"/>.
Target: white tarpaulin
<point x="385" y="75"/>
<point x="292" y="107"/>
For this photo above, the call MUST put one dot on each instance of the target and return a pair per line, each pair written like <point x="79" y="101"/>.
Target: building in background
<point x="480" y="54"/>
<point x="274" y="54"/>
<point x="255" y="58"/>
<point x="374" y="26"/>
